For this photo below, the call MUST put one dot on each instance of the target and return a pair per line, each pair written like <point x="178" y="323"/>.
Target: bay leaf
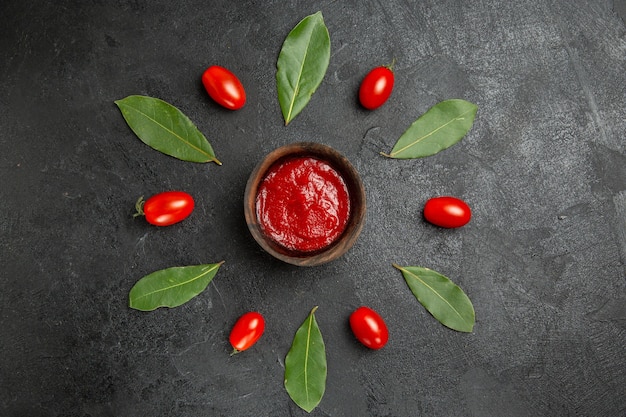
<point x="302" y="64"/>
<point x="441" y="297"/>
<point x="171" y="287"/>
<point x="443" y="125"/>
<point x="305" y="365"/>
<point x="166" y="129"/>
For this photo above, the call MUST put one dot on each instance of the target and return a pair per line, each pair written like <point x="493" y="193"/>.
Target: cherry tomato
<point x="369" y="328"/>
<point x="224" y="87"/>
<point x="448" y="212"/>
<point x="166" y="208"/>
<point x="246" y="331"/>
<point x="376" y="87"/>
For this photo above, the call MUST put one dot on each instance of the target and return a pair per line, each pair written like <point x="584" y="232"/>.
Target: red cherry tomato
<point x="224" y="87"/>
<point x="448" y="212"/>
<point x="376" y="87"/>
<point x="166" y="208"/>
<point x="369" y="328"/>
<point x="246" y="331"/>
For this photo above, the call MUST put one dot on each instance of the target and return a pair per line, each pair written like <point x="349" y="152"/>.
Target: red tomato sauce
<point x="303" y="204"/>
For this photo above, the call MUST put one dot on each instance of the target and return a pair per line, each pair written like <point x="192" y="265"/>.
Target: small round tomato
<point x="448" y="212"/>
<point x="224" y="87"/>
<point x="376" y="87"/>
<point x="369" y="328"/>
<point x="246" y="331"/>
<point x="165" y="208"/>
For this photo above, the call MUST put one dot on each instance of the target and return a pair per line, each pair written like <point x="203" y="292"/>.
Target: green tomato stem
<point x="139" y="207"/>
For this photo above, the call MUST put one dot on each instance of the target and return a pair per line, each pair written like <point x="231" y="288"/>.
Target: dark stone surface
<point x="544" y="169"/>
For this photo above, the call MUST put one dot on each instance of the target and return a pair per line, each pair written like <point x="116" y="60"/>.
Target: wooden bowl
<point x="356" y="193"/>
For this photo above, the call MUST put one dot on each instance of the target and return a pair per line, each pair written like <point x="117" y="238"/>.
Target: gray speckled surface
<point x="544" y="169"/>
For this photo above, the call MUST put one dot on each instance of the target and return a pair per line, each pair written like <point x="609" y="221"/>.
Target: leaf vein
<point x="172" y="132"/>
<point x="306" y="358"/>
<point x="179" y="284"/>
<point x="296" y="89"/>
<point x="435" y="292"/>
<point x="418" y="140"/>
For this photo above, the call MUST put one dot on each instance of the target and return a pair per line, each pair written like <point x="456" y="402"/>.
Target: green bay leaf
<point x="305" y="365"/>
<point x="166" y="129"/>
<point x="302" y="64"/>
<point x="440" y="127"/>
<point x="441" y="297"/>
<point x="171" y="287"/>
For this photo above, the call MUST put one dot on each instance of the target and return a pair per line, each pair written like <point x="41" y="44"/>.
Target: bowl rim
<point x="356" y="191"/>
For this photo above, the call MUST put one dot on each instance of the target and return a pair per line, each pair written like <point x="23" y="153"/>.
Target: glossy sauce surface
<point x="303" y="204"/>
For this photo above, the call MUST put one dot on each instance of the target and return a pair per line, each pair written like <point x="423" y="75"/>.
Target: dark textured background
<point x="544" y="169"/>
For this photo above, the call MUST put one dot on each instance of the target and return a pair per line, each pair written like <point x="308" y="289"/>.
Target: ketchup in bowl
<point x="303" y="204"/>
